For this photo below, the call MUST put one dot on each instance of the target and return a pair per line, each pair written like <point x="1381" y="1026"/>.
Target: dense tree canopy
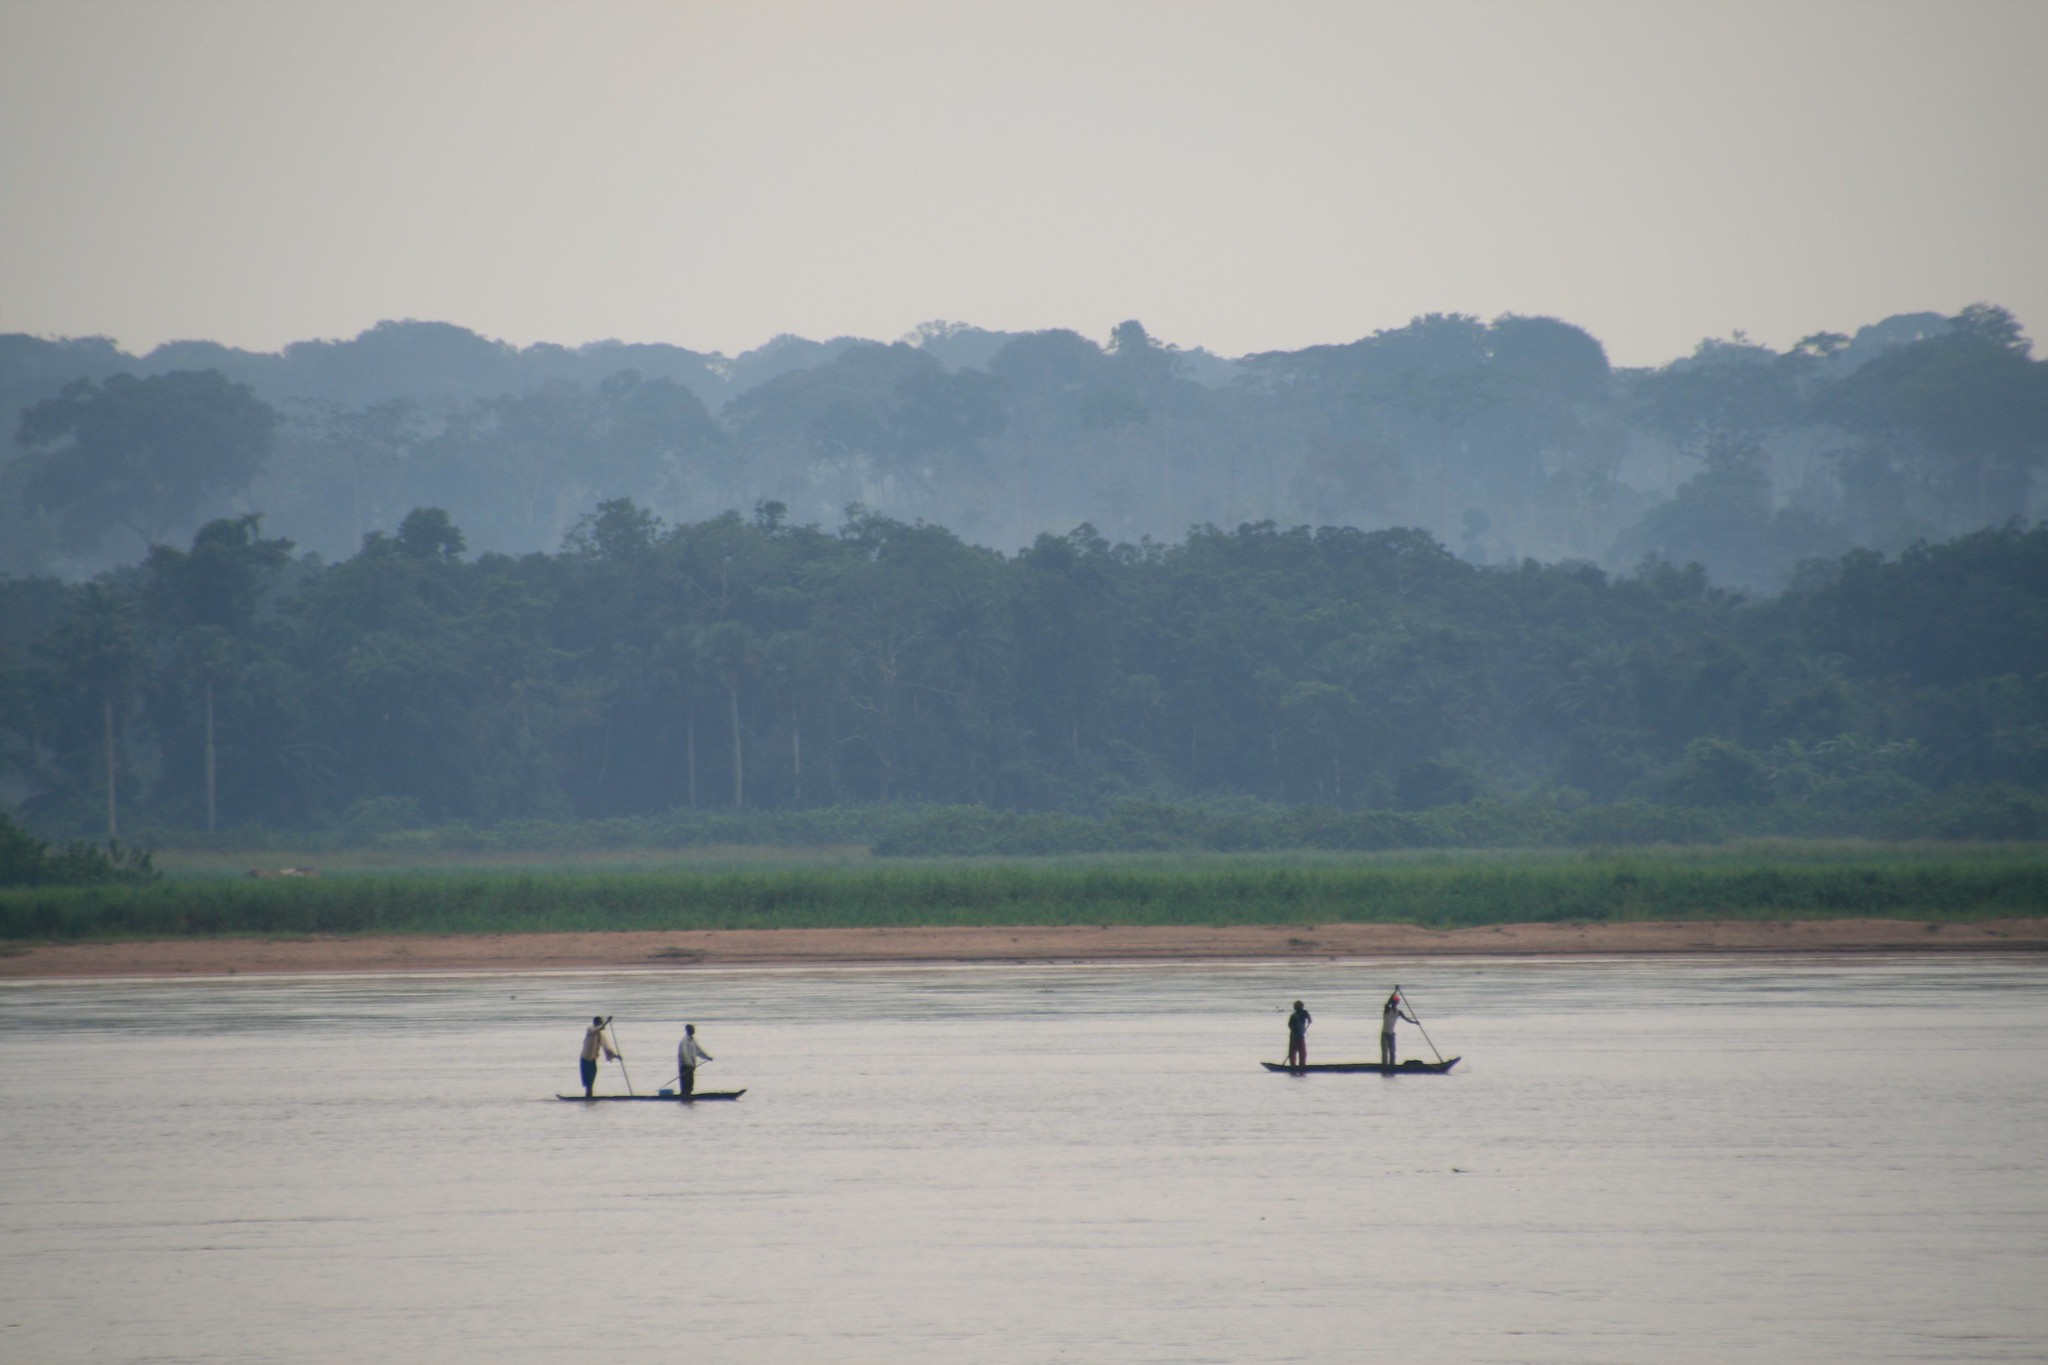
<point x="1505" y="440"/>
<point x="750" y="663"/>
<point x="142" y="455"/>
<point x="422" y="576"/>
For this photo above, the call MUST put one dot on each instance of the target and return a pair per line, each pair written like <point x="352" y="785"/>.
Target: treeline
<point x="1506" y="440"/>
<point x="1261" y="687"/>
<point x="28" y="861"/>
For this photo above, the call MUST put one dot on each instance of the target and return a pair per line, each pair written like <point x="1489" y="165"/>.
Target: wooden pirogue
<point x="1407" y="1068"/>
<point x="663" y="1099"/>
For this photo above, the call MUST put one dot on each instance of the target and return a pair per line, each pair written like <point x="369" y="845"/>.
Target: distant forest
<point x="1453" y="572"/>
<point x="752" y="666"/>
<point x="1505" y="441"/>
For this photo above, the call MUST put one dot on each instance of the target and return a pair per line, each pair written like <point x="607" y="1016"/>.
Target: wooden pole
<point x="620" y="1053"/>
<point x="1418" y="1024"/>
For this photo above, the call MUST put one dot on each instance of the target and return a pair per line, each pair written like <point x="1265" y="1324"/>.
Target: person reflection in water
<point x="688" y="1055"/>
<point x="1297" y="1036"/>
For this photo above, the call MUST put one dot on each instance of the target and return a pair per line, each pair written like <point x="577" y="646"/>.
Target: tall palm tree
<point x="96" y="653"/>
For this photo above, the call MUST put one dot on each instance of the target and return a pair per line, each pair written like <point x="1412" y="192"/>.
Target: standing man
<point x="594" y="1042"/>
<point x="1388" y="1016"/>
<point x="688" y="1055"/>
<point x="1297" y="1036"/>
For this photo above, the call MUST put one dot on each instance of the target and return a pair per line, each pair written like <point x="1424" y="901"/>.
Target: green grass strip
<point x="1444" y="893"/>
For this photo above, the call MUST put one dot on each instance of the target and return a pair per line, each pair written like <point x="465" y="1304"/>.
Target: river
<point x="1702" y="1160"/>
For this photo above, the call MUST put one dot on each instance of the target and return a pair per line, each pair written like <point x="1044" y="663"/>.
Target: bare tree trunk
<point x="739" y="791"/>
<point x="210" y="761"/>
<point x="832" y="753"/>
<point x="690" y="749"/>
<point x="107" y="717"/>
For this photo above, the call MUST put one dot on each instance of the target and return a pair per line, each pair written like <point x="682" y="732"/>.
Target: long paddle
<point x="678" y="1081"/>
<point x="620" y="1053"/>
<point x="1418" y="1024"/>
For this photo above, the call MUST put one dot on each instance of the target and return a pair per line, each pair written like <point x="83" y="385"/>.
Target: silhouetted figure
<point x="1297" y="1035"/>
<point x="1388" y="1016"/>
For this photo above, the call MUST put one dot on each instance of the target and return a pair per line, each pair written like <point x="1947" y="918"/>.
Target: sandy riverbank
<point x="824" y="947"/>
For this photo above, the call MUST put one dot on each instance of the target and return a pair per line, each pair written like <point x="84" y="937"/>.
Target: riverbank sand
<point x="937" y="945"/>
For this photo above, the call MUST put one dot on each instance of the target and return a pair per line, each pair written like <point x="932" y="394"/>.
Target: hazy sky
<point x="1240" y="176"/>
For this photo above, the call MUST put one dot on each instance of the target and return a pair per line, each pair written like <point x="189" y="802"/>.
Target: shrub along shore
<point x="1761" y="882"/>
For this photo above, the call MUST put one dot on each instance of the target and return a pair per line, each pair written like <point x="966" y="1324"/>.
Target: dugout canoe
<point x="659" y="1099"/>
<point x="1410" y="1067"/>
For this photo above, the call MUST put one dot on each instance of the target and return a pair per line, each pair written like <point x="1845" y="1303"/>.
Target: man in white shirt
<point x="688" y="1055"/>
<point x="594" y="1042"/>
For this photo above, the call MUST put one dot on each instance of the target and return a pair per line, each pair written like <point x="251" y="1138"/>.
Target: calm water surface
<point x="1678" y="1161"/>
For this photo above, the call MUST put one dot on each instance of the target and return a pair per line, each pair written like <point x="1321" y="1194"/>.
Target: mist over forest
<point x="1457" y="581"/>
<point x="1507" y="440"/>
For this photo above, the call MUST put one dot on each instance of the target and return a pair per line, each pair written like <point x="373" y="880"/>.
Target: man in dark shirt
<point x="1388" y="1015"/>
<point x="1297" y="1036"/>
